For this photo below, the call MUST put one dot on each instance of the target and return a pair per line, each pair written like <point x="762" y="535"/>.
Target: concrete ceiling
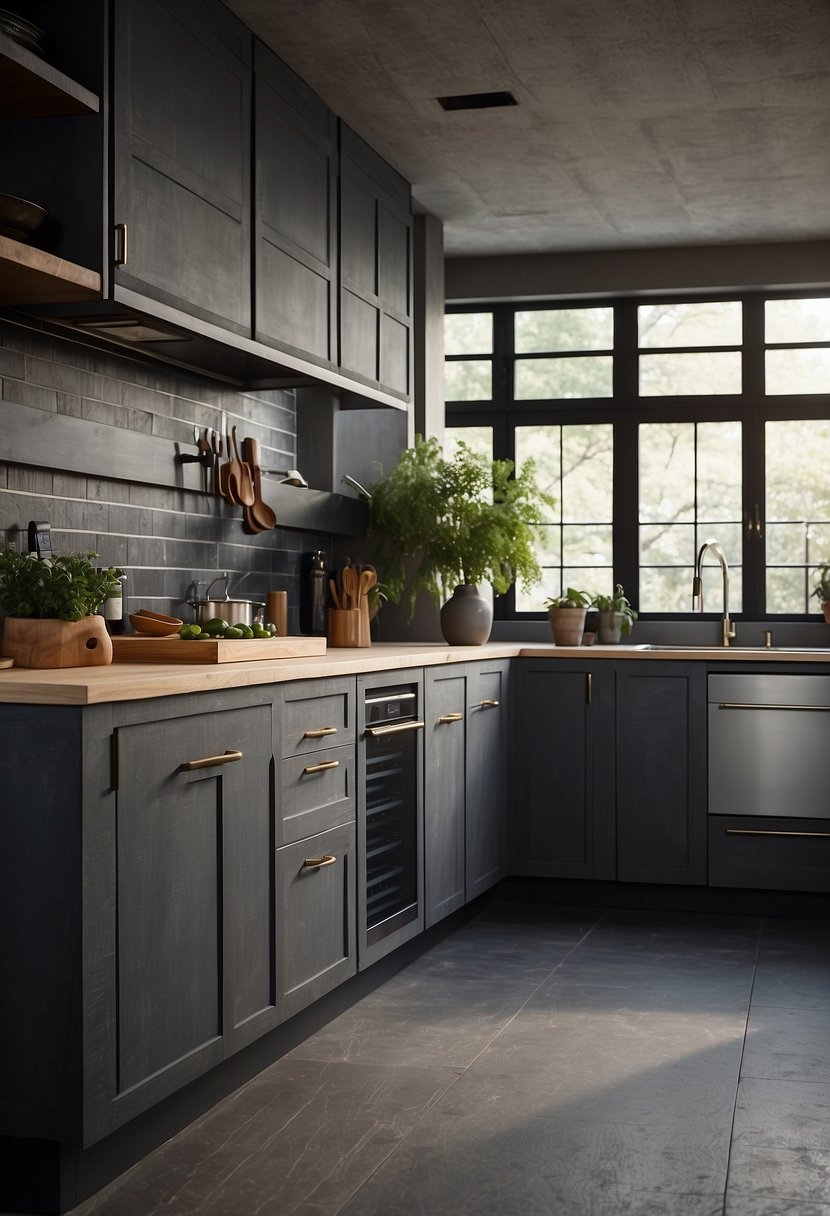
<point x="640" y="122"/>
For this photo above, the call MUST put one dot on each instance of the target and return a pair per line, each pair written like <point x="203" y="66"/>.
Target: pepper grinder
<point x="317" y="594"/>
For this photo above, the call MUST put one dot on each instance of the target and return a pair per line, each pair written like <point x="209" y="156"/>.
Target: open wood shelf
<point x="30" y="276"/>
<point x="31" y="88"/>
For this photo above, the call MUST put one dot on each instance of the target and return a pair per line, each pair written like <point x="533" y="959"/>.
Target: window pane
<point x="718" y="323"/>
<point x="797" y="510"/>
<point x="574" y="464"/>
<point x="797" y="320"/>
<point x="468" y="333"/>
<point x="665" y="590"/>
<point x="798" y="371"/>
<point x="690" y="374"/>
<point x="667" y="545"/>
<point x="564" y="329"/>
<point x="563" y="378"/>
<point x="719" y="471"/>
<point x="479" y="438"/>
<point x="667" y="472"/>
<point x="468" y="380"/>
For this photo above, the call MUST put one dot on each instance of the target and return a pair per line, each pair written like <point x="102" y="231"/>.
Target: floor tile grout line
<point x="741" y="1061"/>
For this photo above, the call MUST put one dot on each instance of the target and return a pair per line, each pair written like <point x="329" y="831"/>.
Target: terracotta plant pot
<point x="467" y="618"/>
<point x="568" y="625"/>
<point x="50" y="643"/>
<point x="610" y="627"/>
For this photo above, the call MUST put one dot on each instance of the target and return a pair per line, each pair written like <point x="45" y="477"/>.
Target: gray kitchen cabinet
<point x="661" y="772"/>
<point x="316" y="917"/>
<point x="375" y="302"/>
<point x="564" y="759"/>
<point x="182" y="85"/>
<point x="295" y="217"/>
<point x="466" y="711"/>
<point x="445" y="749"/>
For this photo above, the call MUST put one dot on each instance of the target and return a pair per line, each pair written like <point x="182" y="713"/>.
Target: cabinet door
<point x="445" y="699"/>
<point x="661" y="773"/>
<point x="316" y="921"/>
<point x="194" y="894"/>
<point x="487" y="740"/>
<point x="295" y="216"/>
<point x="564" y="812"/>
<point x="182" y="156"/>
<point x="375" y="268"/>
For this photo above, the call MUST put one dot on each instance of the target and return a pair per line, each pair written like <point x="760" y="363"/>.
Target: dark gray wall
<point x="162" y="535"/>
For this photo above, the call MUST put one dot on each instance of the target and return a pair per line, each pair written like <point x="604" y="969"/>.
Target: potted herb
<point x="821" y="590"/>
<point x="567" y="616"/>
<point x="49" y="609"/>
<point x="446" y="525"/>
<point x="616" y="616"/>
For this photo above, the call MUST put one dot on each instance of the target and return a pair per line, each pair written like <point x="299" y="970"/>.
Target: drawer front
<point x="317" y="793"/>
<point x="315" y="917"/>
<point x="317" y="715"/>
<point x="769" y="854"/>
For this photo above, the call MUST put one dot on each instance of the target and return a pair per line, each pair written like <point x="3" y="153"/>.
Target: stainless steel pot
<point x="235" y="612"/>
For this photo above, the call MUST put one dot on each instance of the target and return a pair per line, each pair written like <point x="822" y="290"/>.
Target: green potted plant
<point x="616" y="616"/>
<point x="821" y="589"/>
<point x="567" y="616"/>
<point x="446" y="525"/>
<point x="49" y="609"/>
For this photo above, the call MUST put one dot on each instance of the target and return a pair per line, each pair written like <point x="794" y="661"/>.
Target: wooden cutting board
<point x="133" y="649"/>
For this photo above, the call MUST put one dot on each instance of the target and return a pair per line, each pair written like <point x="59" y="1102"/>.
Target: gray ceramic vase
<point x="467" y="618"/>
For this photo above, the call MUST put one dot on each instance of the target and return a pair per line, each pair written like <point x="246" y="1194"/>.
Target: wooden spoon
<point x="240" y="483"/>
<point x="351" y="587"/>
<point x="259" y="513"/>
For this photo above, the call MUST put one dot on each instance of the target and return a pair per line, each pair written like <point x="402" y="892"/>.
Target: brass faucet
<point x="727" y="628"/>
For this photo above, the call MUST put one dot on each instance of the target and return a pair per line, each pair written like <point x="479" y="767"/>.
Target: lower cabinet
<point x="661" y="772"/>
<point x="564" y="762"/>
<point x="466" y="714"/>
<point x="316" y="902"/>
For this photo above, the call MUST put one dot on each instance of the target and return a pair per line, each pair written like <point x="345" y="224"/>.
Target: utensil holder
<point x="344" y="627"/>
<point x="365" y="635"/>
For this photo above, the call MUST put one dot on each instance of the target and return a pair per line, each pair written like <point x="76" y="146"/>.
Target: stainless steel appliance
<point x="390" y="817"/>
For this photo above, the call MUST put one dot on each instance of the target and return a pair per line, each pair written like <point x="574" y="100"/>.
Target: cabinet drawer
<point x="771" y="854"/>
<point x="317" y="793"/>
<point x="315" y="917"/>
<point x="317" y="715"/>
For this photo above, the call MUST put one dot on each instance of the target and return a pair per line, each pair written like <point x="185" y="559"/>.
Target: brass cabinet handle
<point x="451" y="718"/>
<point x="317" y="863"/>
<point x="376" y="732"/>
<point x="322" y="767"/>
<point x="488" y="703"/>
<point x="320" y="733"/>
<point x="227" y="757"/>
<point x="750" y="705"/>
<point x="769" y="832"/>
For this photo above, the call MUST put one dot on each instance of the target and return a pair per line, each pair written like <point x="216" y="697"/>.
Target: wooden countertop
<point x="134" y="682"/>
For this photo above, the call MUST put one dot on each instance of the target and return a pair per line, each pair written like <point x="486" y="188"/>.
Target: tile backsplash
<point x="163" y="537"/>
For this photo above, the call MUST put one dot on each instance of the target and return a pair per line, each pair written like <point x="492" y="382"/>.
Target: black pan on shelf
<point x="19" y="218"/>
<point x="22" y="32"/>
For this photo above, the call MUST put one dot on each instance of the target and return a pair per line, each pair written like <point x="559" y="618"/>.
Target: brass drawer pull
<point x="451" y="718"/>
<point x="320" y="733"/>
<point x="768" y="832"/>
<point x="377" y="732"/>
<point x="316" y="863"/>
<point x="488" y="703"/>
<point x="322" y="767"/>
<point x="227" y="757"/>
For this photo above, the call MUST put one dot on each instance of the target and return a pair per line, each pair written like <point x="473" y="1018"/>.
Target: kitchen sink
<point x="733" y="649"/>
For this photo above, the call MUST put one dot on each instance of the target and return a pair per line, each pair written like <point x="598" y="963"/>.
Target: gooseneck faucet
<point x="727" y="628"/>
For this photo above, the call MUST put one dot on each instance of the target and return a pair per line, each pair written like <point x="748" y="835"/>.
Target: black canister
<point x="313" y="602"/>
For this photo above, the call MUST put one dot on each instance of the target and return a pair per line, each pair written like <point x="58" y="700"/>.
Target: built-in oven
<point x="390" y="815"/>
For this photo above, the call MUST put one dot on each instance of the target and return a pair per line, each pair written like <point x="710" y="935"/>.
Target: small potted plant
<point x="49" y="609"/>
<point x="616" y="616"/>
<point x="446" y="525"/>
<point x="567" y="616"/>
<point x="821" y="590"/>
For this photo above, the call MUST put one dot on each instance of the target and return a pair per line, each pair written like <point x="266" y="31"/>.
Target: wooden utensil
<point x="350" y="583"/>
<point x="261" y="515"/>
<point x="224" y="474"/>
<point x="240" y="483"/>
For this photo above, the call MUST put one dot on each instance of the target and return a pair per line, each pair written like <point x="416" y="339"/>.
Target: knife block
<point x="344" y="627"/>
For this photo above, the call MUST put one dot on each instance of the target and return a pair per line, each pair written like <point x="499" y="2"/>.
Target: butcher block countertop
<point x="140" y="681"/>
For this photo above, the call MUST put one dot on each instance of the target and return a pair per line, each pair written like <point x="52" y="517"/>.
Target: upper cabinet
<point x="182" y="88"/>
<point x="226" y="229"/>
<point x="375" y="268"/>
<point x="295" y="214"/>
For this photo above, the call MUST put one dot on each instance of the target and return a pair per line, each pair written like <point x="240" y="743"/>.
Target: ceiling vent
<point x="477" y="101"/>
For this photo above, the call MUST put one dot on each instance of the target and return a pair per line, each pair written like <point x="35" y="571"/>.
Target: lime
<point x="245" y="630"/>
<point x="233" y="632"/>
<point x="189" y="632"/>
<point x="261" y="632"/>
<point x="215" y="626"/>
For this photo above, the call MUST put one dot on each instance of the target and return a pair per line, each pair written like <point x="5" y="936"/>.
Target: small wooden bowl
<point x="154" y="624"/>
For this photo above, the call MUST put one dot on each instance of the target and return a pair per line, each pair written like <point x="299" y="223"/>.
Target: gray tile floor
<point x="561" y="1061"/>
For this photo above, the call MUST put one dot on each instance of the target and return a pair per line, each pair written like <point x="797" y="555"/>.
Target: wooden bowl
<point x="154" y="624"/>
